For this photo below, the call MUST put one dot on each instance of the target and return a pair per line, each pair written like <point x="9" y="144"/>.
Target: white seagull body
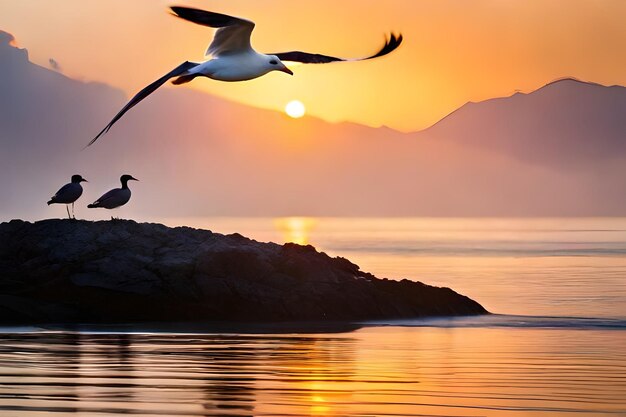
<point x="116" y="197"/>
<point x="232" y="56"/>
<point x="238" y="67"/>
<point x="69" y="193"/>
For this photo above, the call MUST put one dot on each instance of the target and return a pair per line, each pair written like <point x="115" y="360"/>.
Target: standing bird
<point x="116" y="197"/>
<point x="68" y="194"/>
<point x="233" y="58"/>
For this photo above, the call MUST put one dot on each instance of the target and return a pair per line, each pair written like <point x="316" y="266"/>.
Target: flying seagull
<point x="232" y="56"/>
<point x="68" y="194"/>
<point x="116" y="197"/>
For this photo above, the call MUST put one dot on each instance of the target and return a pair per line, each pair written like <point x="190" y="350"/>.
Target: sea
<point x="554" y="345"/>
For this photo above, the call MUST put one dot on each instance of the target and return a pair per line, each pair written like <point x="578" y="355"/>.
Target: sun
<point x="295" y="109"/>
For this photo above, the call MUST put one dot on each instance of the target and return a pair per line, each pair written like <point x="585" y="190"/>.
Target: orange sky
<point x="454" y="51"/>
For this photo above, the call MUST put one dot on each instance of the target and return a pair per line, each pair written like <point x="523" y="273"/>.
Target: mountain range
<point x="557" y="151"/>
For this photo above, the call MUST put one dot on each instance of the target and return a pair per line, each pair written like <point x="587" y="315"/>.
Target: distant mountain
<point x="42" y="114"/>
<point x="568" y="123"/>
<point x="557" y="151"/>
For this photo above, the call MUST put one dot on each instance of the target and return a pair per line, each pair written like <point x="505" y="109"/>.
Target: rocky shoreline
<point x="64" y="271"/>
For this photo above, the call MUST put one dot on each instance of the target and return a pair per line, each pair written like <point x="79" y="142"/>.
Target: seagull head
<point x="125" y="178"/>
<point x="275" y="64"/>
<point x="78" y="179"/>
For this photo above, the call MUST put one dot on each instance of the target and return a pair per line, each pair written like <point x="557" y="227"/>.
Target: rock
<point x="123" y="271"/>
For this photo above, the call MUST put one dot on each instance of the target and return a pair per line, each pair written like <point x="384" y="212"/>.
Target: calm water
<point x="556" y="347"/>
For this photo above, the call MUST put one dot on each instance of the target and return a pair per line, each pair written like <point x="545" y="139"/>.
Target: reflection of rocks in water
<point x="228" y="366"/>
<point x="308" y="371"/>
<point x="238" y="375"/>
<point x="116" y="352"/>
<point x="71" y="356"/>
<point x="43" y="367"/>
<point x="376" y="371"/>
<point x="249" y="370"/>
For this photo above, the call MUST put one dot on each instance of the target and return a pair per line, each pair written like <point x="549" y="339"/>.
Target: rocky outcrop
<point x="123" y="271"/>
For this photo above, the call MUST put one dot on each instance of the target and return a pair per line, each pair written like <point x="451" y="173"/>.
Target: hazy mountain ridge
<point x="201" y="155"/>
<point x="566" y="122"/>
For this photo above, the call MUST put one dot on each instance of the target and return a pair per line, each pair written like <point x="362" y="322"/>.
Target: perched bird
<point x="68" y="194"/>
<point x="116" y="197"/>
<point x="233" y="58"/>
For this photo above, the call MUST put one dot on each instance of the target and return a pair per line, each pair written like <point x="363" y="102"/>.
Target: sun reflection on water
<point x="372" y="371"/>
<point x="295" y="229"/>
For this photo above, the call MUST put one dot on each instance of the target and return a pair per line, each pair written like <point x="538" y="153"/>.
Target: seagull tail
<point x="94" y="205"/>
<point x="51" y="201"/>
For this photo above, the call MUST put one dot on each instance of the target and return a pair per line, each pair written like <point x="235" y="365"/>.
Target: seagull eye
<point x="273" y="62"/>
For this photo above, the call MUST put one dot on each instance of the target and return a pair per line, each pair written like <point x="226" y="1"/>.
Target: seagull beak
<point x="287" y="70"/>
<point x="84" y="180"/>
<point x="134" y="179"/>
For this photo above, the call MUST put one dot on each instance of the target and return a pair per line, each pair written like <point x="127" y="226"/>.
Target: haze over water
<point x="555" y="347"/>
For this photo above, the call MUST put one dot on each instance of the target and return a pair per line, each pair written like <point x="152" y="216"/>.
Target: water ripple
<point x="386" y="371"/>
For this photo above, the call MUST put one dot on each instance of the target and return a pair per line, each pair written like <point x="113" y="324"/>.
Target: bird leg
<point x="73" y="216"/>
<point x="67" y="208"/>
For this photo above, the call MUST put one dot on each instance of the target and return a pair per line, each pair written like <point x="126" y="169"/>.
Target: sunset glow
<point x="345" y="208"/>
<point x="454" y="52"/>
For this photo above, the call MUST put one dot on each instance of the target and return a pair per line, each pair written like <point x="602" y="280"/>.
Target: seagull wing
<point x="296" y="56"/>
<point x="109" y="195"/>
<point x="63" y="190"/>
<point x="233" y="34"/>
<point x="179" y="70"/>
